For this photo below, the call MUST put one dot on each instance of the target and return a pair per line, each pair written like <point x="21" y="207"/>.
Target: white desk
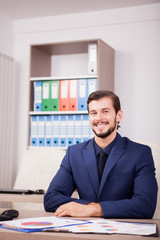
<point x="27" y="198"/>
<point x="15" y="235"/>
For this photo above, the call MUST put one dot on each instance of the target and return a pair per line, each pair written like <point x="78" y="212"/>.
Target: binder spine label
<point x="45" y="91"/>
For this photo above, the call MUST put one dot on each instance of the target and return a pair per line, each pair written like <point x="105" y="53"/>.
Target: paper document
<point x="110" y="227"/>
<point x="39" y="224"/>
<point x="103" y="226"/>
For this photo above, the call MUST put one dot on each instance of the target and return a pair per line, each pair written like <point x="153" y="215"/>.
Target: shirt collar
<point x="107" y="149"/>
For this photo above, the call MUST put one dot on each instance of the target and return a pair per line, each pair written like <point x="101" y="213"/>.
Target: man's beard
<point x="107" y="133"/>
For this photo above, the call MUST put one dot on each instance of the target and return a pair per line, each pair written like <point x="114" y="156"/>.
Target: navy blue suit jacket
<point x="128" y="188"/>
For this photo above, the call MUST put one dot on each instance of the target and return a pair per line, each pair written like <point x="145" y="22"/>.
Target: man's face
<point x="103" y="118"/>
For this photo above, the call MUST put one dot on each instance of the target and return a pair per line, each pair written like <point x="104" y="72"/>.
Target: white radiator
<point x="7" y="100"/>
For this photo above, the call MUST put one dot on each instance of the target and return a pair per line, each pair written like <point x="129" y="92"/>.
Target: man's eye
<point x="92" y="113"/>
<point x="106" y="111"/>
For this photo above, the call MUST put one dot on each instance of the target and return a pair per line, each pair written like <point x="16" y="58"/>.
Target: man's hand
<point x="74" y="209"/>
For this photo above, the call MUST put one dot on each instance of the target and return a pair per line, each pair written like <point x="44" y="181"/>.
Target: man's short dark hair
<point x="104" y="93"/>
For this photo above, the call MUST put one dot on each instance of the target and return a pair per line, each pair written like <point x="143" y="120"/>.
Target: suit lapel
<point x="91" y="163"/>
<point x="114" y="156"/>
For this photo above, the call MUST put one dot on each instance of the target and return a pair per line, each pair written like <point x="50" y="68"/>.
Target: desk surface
<point x="14" y="235"/>
<point x="27" y="198"/>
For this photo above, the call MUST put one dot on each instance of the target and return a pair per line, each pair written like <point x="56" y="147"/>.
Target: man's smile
<point x="101" y="123"/>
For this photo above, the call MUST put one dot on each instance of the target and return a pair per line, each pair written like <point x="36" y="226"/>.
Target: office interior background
<point x="131" y="29"/>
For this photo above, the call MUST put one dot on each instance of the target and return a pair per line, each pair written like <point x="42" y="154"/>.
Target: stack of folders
<point x="63" y="95"/>
<point x="59" y="130"/>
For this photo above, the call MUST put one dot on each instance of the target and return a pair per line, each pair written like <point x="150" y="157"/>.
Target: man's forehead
<point x="104" y="102"/>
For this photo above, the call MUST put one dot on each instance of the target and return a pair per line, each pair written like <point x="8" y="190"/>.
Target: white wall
<point x="135" y="36"/>
<point x="6" y="37"/>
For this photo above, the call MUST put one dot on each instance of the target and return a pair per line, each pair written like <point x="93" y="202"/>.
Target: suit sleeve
<point x="61" y="187"/>
<point x="142" y="204"/>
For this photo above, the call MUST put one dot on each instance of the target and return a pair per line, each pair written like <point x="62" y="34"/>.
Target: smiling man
<point x="114" y="176"/>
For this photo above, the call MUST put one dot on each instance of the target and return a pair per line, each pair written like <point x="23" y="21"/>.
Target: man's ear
<point x="119" y="116"/>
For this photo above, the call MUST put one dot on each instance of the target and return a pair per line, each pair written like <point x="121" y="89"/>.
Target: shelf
<point x="57" y="113"/>
<point x="37" y="147"/>
<point x="61" y="78"/>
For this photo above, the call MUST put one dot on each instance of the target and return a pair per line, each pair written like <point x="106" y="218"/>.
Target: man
<point x="125" y="188"/>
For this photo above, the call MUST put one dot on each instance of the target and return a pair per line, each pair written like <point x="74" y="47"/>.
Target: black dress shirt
<point x="107" y="150"/>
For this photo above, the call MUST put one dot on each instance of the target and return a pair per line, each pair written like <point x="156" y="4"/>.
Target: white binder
<point x="92" y="58"/>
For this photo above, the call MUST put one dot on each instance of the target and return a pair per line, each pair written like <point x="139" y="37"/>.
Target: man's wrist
<point x="96" y="209"/>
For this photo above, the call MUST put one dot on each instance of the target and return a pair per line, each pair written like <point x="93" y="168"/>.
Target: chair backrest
<point x="156" y="156"/>
<point x="37" y="168"/>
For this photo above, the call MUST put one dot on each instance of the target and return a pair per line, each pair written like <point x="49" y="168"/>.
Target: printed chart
<point x="103" y="226"/>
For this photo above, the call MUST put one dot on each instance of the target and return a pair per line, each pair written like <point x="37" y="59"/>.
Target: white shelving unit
<point x="67" y="61"/>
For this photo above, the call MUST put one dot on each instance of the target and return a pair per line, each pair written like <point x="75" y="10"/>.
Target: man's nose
<point x="99" y="115"/>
